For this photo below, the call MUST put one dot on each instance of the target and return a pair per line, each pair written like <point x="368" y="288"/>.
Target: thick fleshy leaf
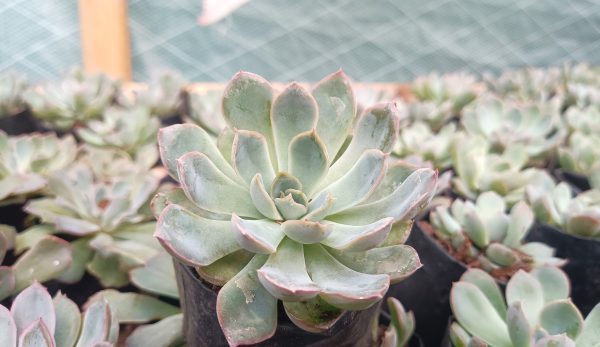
<point x="397" y="172"/>
<point x="164" y="333"/>
<point x="458" y="335"/>
<point x="407" y="200"/>
<point x="561" y="316"/>
<point x="107" y="269"/>
<point x="314" y="315"/>
<point x="477" y="315"/>
<point x="192" y="239"/>
<point x="284" y="182"/>
<point x="519" y="329"/>
<point x="250" y="156"/>
<point x="475" y="229"/>
<point x="49" y="258"/>
<point x="96" y="324"/>
<point x="356" y="185"/>
<point x="262" y="200"/>
<point x="319" y="207"/>
<point x="133" y="307"/>
<point x="525" y="288"/>
<point x="501" y="254"/>
<point x="555" y="283"/>
<point x="81" y="254"/>
<point x="284" y="274"/>
<point x="342" y="286"/>
<point x="294" y="111"/>
<point x="257" y="236"/>
<point x="32" y="304"/>
<point x="358" y="238"/>
<point x="179" y="139"/>
<point x="402" y="322"/>
<point x="8" y="328"/>
<point x="337" y="110"/>
<point x="205" y="185"/>
<point x="7" y="281"/>
<point x="222" y="270"/>
<point x="225" y="142"/>
<point x="68" y="321"/>
<point x="75" y="226"/>
<point x="555" y="341"/>
<point x="591" y="330"/>
<point x="377" y="128"/>
<point x="521" y="219"/>
<point x="32" y="235"/>
<point x="247" y="312"/>
<point x="288" y="208"/>
<point x="399" y="261"/>
<point x="399" y="233"/>
<point x="36" y="335"/>
<point x="488" y="287"/>
<point x="177" y="196"/>
<point x="305" y="231"/>
<point x="156" y="276"/>
<point x="308" y="160"/>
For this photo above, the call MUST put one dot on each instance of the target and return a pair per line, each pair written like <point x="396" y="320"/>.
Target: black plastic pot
<point x="446" y="342"/>
<point x="21" y="123"/>
<point x="576" y="180"/>
<point x="583" y="266"/>
<point x="201" y="326"/>
<point x="427" y="291"/>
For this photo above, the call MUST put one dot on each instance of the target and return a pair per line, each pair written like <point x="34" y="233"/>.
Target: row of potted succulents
<point x="285" y="214"/>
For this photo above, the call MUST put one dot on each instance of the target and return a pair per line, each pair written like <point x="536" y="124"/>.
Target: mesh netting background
<point x="378" y="40"/>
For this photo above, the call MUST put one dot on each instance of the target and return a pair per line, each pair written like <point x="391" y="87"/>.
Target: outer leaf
<point x="246" y="311"/>
<point x="525" y="288"/>
<point x="402" y="322"/>
<point x="205" y="185"/>
<point x="96" y="324"/>
<point x="7" y="281"/>
<point x="308" y="160"/>
<point x="156" y="276"/>
<point x="488" y="287"/>
<point x="521" y="219"/>
<point x="81" y="254"/>
<point x="222" y="270"/>
<point x="337" y="110"/>
<point x="257" y="236"/>
<point x="68" y="321"/>
<point x="36" y="335"/>
<point x="358" y="238"/>
<point x="8" y="328"/>
<point x="284" y="274"/>
<point x="555" y="283"/>
<point x="475" y="228"/>
<point x="294" y="111"/>
<point x="193" y="239"/>
<point x="164" y="333"/>
<point x="250" y="156"/>
<point x="341" y="286"/>
<point x="46" y="260"/>
<point x="560" y="317"/>
<point x="32" y="304"/>
<point x="458" y="335"/>
<point x="107" y="269"/>
<point x="555" y="341"/>
<point x="133" y="307"/>
<point x="476" y="314"/>
<point x="521" y="333"/>
<point x="32" y="235"/>
<point x="305" y="231"/>
<point x="314" y="315"/>
<point x="591" y="330"/>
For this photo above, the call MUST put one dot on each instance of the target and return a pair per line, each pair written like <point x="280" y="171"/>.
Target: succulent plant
<point x="528" y="84"/>
<point x="401" y="327"/>
<point x="27" y="160"/>
<point x="483" y="235"/>
<point x="74" y="100"/>
<point x="107" y="215"/>
<point x="556" y="206"/>
<point x="440" y="98"/>
<point x="582" y="155"/>
<point x="204" y="109"/>
<point x="162" y="95"/>
<point x="585" y="120"/>
<point x="36" y="319"/>
<point x="280" y="219"/>
<point x="132" y="130"/>
<point x="535" y="311"/>
<point x="371" y="94"/>
<point x="582" y="85"/>
<point x="537" y="127"/>
<point x="418" y="140"/>
<point x="478" y="169"/>
<point x="12" y="86"/>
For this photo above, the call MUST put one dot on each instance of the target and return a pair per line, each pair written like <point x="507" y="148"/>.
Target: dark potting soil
<point x="576" y="180"/>
<point x="18" y="124"/>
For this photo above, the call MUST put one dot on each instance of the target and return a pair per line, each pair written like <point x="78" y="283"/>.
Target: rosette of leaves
<point x="274" y="217"/>
<point x="582" y="85"/>
<point x="439" y="98"/>
<point x="530" y="84"/>
<point x="556" y="206"/>
<point x="582" y="155"/>
<point x="477" y="169"/>
<point x="204" y="109"/>
<point x="132" y="130"/>
<point x="162" y="95"/>
<point x="27" y="160"/>
<point x="584" y="119"/>
<point x="419" y="140"/>
<point x="12" y="86"/>
<point x="36" y="319"/>
<point x="537" y="127"/>
<point x="74" y="100"/>
<point x="535" y="310"/>
<point x="106" y="216"/>
<point x="401" y="327"/>
<point x="484" y="235"/>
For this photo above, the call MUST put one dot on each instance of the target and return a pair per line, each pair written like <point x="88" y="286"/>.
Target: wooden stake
<point x="105" y="37"/>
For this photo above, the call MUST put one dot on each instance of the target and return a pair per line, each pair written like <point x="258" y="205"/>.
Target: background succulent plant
<point x="162" y="96"/>
<point x="204" y="109"/>
<point x="74" y="100"/>
<point x="483" y="235"/>
<point x="401" y="327"/>
<point x="12" y="86"/>
<point x="36" y="319"/>
<point x="535" y="311"/>
<point x="107" y="214"/>
<point x="582" y="155"/>
<point x="529" y="84"/>
<point x="27" y="160"/>
<point x="280" y="219"/>
<point x="418" y="140"/>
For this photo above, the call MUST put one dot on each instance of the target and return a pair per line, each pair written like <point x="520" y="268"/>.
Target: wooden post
<point x="105" y="37"/>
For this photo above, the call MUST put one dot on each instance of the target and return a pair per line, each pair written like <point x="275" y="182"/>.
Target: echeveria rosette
<point x="12" y="86"/>
<point x="528" y="84"/>
<point x="106" y="214"/>
<point x="26" y="161"/>
<point x="420" y="141"/>
<point x="534" y="311"/>
<point x="582" y="155"/>
<point x="279" y="219"/>
<point x="204" y="108"/>
<point x="162" y="96"/>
